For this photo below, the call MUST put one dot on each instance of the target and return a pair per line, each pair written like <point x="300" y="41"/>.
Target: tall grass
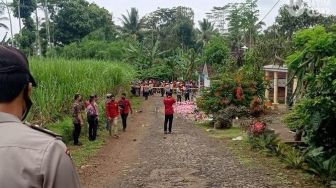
<point x="59" y="79"/>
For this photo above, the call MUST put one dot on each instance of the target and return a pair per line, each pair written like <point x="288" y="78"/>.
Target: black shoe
<point x="78" y="144"/>
<point x="165" y="132"/>
<point x="169" y="132"/>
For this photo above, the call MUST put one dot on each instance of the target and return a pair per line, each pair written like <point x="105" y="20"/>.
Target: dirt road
<point x="145" y="157"/>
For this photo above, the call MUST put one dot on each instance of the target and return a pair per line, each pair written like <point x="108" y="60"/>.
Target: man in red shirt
<point x="125" y="108"/>
<point x="112" y="113"/>
<point x="169" y="112"/>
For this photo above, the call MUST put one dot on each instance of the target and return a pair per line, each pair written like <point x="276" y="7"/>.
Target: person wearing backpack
<point x="92" y="118"/>
<point x="125" y="108"/>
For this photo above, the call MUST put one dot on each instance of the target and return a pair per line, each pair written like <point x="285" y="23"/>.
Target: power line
<point x="270" y="10"/>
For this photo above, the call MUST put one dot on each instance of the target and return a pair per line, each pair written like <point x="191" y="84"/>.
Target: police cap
<point x="13" y="61"/>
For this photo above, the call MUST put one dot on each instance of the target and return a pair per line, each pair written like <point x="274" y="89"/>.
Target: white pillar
<point x="267" y="91"/>
<point x="286" y="88"/>
<point x="275" y="96"/>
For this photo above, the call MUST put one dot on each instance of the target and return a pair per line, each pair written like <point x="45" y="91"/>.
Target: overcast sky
<point x="200" y="7"/>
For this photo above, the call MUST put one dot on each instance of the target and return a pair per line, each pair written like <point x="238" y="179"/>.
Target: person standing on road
<point x="92" y="119"/>
<point x="167" y="88"/>
<point x="112" y="113"/>
<point x="125" y="108"/>
<point x="162" y="89"/>
<point x="151" y="85"/>
<point x="77" y="118"/>
<point x="187" y="93"/>
<point x="169" y="112"/>
<point x="179" y="94"/>
<point x="146" y="91"/>
<point x="30" y="156"/>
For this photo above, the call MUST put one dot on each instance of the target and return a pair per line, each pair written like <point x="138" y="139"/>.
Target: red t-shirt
<point x="125" y="106"/>
<point x="112" y="109"/>
<point x="168" y="103"/>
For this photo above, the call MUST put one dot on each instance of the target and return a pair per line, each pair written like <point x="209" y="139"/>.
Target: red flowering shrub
<point x="257" y="128"/>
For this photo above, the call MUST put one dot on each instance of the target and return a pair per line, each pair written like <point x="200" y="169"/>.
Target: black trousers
<point x="168" y="119"/>
<point x="187" y="97"/>
<point x="179" y="98"/>
<point x="76" y="132"/>
<point x="92" y="128"/>
<point x="146" y="94"/>
<point x="162" y="92"/>
<point x="124" y="120"/>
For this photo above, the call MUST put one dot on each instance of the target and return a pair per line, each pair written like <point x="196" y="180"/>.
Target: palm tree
<point x="191" y="59"/>
<point x="132" y="23"/>
<point x="206" y="31"/>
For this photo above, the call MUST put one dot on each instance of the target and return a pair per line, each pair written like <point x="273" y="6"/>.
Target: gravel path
<point x="186" y="158"/>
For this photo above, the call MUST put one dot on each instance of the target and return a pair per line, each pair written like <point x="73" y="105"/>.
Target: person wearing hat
<point x="77" y="118"/>
<point x="30" y="156"/>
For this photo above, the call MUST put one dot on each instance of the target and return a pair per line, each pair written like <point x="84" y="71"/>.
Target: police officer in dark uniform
<point x="29" y="156"/>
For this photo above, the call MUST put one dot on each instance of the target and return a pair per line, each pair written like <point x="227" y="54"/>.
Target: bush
<point x="223" y="118"/>
<point x="267" y="142"/>
<point x="63" y="128"/>
<point x="239" y="88"/>
<point x="325" y="169"/>
<point x="293" y="158"/>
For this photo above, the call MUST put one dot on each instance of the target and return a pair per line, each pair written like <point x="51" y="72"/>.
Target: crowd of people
<point x="89" y="111"/>
<point x="186" y="89"/>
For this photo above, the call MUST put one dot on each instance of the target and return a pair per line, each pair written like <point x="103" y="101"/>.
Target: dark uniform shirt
<point x="76" y="111"/>
<point x="31" y="158"/>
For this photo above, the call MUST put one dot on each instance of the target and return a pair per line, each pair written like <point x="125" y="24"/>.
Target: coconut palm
<point x="132" y="23"/>
<point x="206" y="31"/>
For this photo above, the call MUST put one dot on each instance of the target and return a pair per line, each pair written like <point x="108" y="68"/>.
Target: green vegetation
<point x="92" y="55"/>
<point x="62" y="127"/>
<point x="314" y="64"/>
<point x="60" y="79"/>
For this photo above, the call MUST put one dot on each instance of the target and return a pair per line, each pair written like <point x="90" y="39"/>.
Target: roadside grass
<point x="88" y="149"/>
<point x="269" y="165"/>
